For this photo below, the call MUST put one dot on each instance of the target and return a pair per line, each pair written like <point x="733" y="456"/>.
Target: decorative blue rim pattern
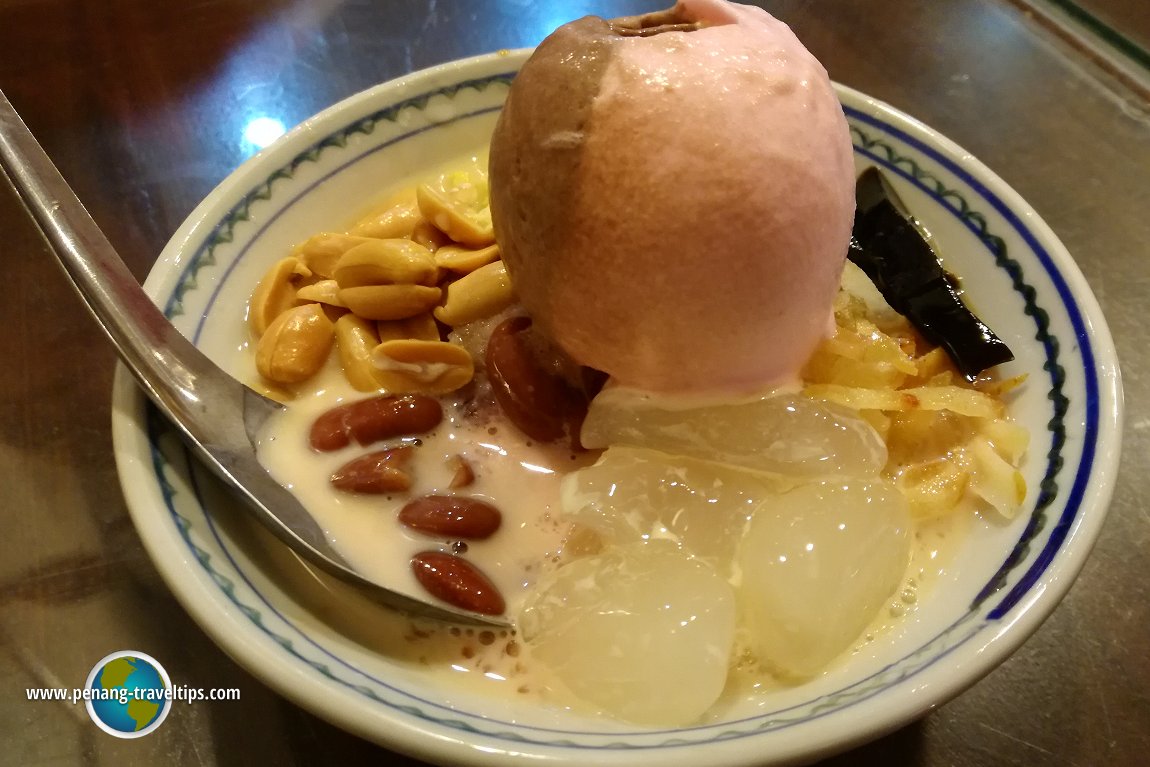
<point x="947" y="641"/>
<point x="976" y="222"/>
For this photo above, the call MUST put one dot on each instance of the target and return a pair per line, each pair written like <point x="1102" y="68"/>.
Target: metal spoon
<point x="216" y="414"/>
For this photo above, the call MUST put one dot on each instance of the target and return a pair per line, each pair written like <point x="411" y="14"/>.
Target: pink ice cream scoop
<point x="673" y="195"/>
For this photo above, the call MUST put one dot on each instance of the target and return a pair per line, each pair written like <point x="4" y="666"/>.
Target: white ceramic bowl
<point x="296" y="635"/>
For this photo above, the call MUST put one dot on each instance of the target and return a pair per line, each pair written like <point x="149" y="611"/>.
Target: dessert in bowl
<point x="343" y="658"/>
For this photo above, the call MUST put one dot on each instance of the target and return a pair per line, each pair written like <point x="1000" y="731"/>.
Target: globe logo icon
<point x="128" y="694"/>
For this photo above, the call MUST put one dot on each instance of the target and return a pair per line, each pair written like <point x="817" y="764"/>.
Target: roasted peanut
<point x="451" y="517"/>
<point x="428" y="236"/>
<point x="320" y="252"/>
<point x="276" y="293"/>
<point x="457" y="582"/>
<point x="542" y="405"/>
<point x="460" y="212"/>
<point x="390" y="302"/>
<point x="396" y="218"/>
<point x="462" y="474"/>
<point x="374" y="419"/>
<point x="386" y="262"/>
<point x="272" y="391"/>
<point x="295" y="345"/>
<point x="483" y="293"/>
<point x="383" y="471"/>
<point x="355" y="337"/>
<point x="322" y="292"/>
<point x="421" y="327"/>
<point x="465" y="260"/>
<point x="431" y="367"/>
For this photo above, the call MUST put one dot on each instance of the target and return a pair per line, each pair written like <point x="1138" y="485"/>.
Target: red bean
<point x="382" y="471"/>
<point x="457" y="582"/>
<point x="542" y="405"/>
<point x="374" y="419"/>
<point x="451" y="516"/>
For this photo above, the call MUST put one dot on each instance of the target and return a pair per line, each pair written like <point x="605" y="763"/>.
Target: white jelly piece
<point x="783" y="433"/>
<point x="642" y="632"/>
<point x="817" y="566"/>
<point x="634" y="494"/>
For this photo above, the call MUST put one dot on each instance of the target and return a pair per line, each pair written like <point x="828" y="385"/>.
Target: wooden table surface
<point x="144" y="104"/>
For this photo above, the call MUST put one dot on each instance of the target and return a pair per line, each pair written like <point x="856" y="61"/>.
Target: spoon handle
<point x="171" y="370"/>
<point x="216" y="413"/>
